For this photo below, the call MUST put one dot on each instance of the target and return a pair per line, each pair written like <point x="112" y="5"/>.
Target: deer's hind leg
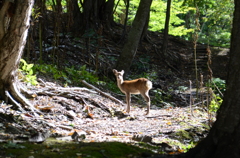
<point x="147" y="99"/>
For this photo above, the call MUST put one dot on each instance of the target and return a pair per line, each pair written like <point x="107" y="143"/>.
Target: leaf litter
<point x="85" y="115"/>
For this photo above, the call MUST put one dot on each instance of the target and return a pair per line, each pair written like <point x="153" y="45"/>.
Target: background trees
<point x="91" y="20"/>
<point x="83" y="24"/>
<point x="130" y="47"/>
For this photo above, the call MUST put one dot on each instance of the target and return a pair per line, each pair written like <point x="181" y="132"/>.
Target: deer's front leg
<point x="128" y="100"/>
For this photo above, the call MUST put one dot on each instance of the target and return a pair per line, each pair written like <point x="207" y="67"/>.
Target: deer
<point x="136" y="86"/>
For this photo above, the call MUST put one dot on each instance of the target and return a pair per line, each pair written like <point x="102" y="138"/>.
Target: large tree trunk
<point x="11" y="49"/>
<point x="125" y="60"/>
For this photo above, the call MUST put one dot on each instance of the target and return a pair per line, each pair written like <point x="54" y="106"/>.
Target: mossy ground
<point x="56" y="149"/>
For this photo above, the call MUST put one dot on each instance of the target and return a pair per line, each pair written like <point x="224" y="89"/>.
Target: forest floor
<point x="90" y="115"/>
<point x="86" y="116"/>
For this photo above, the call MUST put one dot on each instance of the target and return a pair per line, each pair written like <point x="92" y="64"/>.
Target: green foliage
<point x="187" y="147"/>
<point x="50" y="5"/>
<point x="221" y="84"/>
<point x="82" y="74"/>
<point x="12" y="145"/>
<point x="157" y="16"/>
<point x="218" y="85"/>
<point x="52" y="69"/>
<point x="67" y="75"/>
<point x="139" y="67"/>
<point x="158" y="97"/>
<point x="120" y="12"/>
<point x="215" y="21"/>
<point x="215" y="103"/>
<point x="110" y="85"/>
<point x="215" y="18"/>
<point x="149" y="75"/>
<point x="27" y="71"/>
<point x="161" y="97"/>
<point x="177" y="24"/>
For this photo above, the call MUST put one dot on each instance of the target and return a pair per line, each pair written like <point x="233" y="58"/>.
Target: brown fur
<point x="137" y="86"/>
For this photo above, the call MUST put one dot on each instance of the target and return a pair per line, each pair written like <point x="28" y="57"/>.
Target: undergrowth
<point x="26" y="73"/>
<point x="68" y="75"/>
<point x="218" y="87"/>
<point x="72" y="76"/>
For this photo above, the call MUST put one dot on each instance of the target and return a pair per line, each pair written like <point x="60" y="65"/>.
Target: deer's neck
<point x="119" y="83"/>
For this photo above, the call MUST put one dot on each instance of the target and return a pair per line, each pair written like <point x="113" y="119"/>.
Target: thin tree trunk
<point x="125" y="20"/>
<point x="165" y="38"/>
<point x="130" y="47"/>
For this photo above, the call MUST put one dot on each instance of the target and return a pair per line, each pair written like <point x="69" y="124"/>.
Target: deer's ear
<point x="122" y="71"/>
<point x="114" y="71"/>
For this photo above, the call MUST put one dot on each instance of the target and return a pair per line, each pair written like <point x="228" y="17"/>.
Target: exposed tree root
<point x="83" y="96"/>
<point x="20" y="99"/>
<point x="14" y="101"/>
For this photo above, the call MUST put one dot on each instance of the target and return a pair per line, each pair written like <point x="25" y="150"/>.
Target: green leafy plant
<point x="158" y="95"/>
<point x="68" y="75"/>
<point x="221" y="84"/>
<point x="218" y="85"/>
<point x="187" y="147"/>
<point x="52" y="69"/>
<point x="157" y="16"/>
<point x="12" y="145"/>
<point x="110" y="85"/>
<point x="27" y="71"/>
<point x="81" y="74"/>
<point x="161" y="96"/>
<point x="215" y="103"/>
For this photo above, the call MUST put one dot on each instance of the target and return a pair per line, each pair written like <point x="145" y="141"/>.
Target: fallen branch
<point x="76" y="93"/>
<point x="101" y="92"/>
<point x="52" y="86"/>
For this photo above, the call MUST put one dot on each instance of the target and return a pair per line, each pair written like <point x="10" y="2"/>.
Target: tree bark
<point x="108" y="14"/>
<point x="3" y="17"/>
<point x="11" y="49"/>
<point x="130" y="47"/>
